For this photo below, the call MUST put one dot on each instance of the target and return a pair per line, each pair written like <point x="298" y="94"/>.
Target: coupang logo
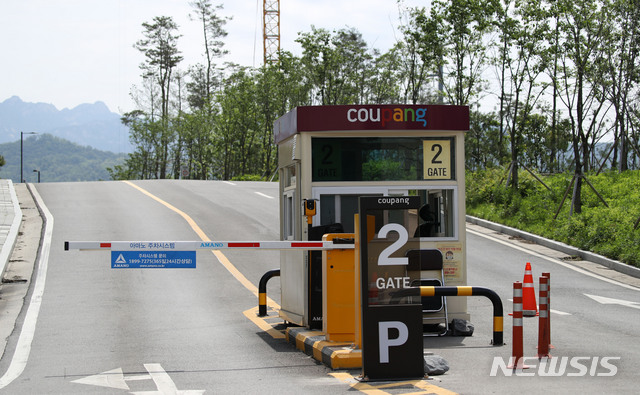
<point x="386" y="116"/>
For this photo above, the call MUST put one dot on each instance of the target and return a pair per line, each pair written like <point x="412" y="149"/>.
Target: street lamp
<point x="21" y="144"/>
<point x="37" y="171"/>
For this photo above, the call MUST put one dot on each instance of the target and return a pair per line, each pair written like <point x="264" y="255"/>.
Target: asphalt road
<point x="160" y="331"/>
<point x="583" y="330"/>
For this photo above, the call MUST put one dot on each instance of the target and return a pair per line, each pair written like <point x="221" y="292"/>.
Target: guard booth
<point x="332" y="155"/>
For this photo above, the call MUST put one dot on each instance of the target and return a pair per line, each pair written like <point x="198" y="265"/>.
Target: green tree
<point x="384" y="83"/>
<point x="582" y="26"/>
<point x="196" y="131"/>
<point x="522" y="62"/>
<point x="212" y="32"/>
<point x="2" y="161"/>
<point x="161" y="58"/>
<point x="483" y="142"/>
<point x="144" y="134"/>
<point x="463" y="27"/>
<point x="536" y="141"/>
<point x="318" y="59"/>
<point x="269" y="97"/>
<point x="337" y="65"/>
<point x="622" y="70"/>
<point x="421" y="53"/>
<point x="235" y="125"/>
<point x="354" y="68"/>
<point x="294" y="88"/>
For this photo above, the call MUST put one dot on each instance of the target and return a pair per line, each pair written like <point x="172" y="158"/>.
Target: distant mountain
<point x="57" y="160"/>
<point x="87" y="124"/>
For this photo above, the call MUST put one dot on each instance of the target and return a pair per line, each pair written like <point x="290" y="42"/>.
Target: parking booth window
<point x="383" y="159"/>
<point x="379" y="159"/>
<point x="435" y="219"/>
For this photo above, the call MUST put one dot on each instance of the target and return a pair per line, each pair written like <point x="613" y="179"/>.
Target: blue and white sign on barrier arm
<point x="165" y="259"/>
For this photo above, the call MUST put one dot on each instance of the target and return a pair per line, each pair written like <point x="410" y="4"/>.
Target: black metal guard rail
<point x="429" y="291"/>
<point x="262" y="291"/>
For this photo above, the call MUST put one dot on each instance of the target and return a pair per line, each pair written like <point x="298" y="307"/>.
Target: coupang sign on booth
<point x="381" y="117"/>
<point x="386" y="115"/>
<point x="371" y="117"/>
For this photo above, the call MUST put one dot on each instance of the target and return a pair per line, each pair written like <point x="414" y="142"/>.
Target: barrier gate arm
<point x="202" y="245"/>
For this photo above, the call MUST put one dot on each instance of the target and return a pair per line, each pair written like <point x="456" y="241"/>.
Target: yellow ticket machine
<point x="329" y="156"/>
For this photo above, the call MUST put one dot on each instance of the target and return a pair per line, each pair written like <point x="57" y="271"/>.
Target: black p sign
<point x="384" y="331"/>
<point x="393" y="349"/>
<point x="391" y="325"/>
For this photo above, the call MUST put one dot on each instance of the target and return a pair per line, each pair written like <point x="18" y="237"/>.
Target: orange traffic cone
<point x="529" y="307"/>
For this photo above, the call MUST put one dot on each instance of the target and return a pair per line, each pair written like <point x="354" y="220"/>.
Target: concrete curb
<point x="335" y="355"/>
<point x="556" y="245"/>
<point x="7" y="246"/>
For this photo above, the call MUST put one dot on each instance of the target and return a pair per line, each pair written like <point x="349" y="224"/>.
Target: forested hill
<point x="57" y="159"/>
<point x="87" y="124"/>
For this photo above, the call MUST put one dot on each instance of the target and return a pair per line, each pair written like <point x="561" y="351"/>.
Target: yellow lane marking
<point x="252" y="314"/>
<point x="357" y="385"/>
<point x="377" y="389"/>
<point x="187" y="218"/>
<point x="433" y="389"/>
<point x="203" y="236"/>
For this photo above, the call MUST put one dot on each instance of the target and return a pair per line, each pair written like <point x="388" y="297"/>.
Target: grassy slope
<point x="608" y="231"/>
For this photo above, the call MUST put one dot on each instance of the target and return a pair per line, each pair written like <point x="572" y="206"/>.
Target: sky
<point x="70" y="52"/>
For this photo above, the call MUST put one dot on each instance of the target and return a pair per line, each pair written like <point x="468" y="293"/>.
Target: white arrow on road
<point x="116" y="379"/>
<point x="112" y="379"/>
<point x="605" y="300"/>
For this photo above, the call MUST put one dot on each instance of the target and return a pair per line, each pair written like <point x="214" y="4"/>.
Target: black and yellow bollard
<point x="262" y="291"/>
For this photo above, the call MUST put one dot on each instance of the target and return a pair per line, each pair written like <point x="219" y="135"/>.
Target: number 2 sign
<point x="385" y="259"/>
<point x="437" y="160"/>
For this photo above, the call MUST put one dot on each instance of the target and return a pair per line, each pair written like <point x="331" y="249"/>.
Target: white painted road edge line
<point x="554" y="260"/>
<point x="263" y="195"/>
<point x="23" y="348"/>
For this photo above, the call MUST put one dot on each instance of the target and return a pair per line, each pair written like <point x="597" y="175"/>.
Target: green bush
<point x="248" y="177"/>
<point x="604" y="230"/>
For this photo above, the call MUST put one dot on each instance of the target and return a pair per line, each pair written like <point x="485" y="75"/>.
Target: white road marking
<point x="551" y="310"/>
<point x="164" y="384"/>
<point x="116" y="379"/>
<point x="605" y="300"/>
<point x="559" y="312"/>
<point x="110" y="379"/>
<point x="553" y="260"/>
<point x="229" y="182"/>
<point x="262" y="194"/>
<point x="23" y="348"/>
